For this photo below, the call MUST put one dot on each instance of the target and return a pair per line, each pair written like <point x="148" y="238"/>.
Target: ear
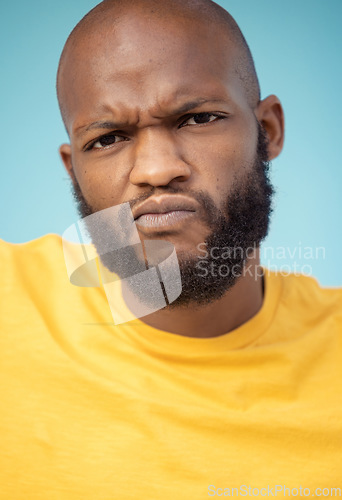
<point x="270" y="114"/>
<point x="65" y="153"/>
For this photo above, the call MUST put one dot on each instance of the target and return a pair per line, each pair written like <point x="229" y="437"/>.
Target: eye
<point x="201" y="119"/>
<point x="105" y="141"/>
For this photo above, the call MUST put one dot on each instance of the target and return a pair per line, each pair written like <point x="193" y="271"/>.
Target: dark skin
<point x="149" y="87"/>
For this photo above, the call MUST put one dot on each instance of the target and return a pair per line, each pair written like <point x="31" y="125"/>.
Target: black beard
<point x="240" y="227"/>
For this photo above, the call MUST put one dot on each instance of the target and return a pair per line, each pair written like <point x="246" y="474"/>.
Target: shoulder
<point x="32" y="257"/>
<point x="303" y="297"/>
<point x="39" y="245"/>
<point x="308" y="290"/>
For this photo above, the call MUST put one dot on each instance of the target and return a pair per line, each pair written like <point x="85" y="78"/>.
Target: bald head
<point x="106" y="19"/>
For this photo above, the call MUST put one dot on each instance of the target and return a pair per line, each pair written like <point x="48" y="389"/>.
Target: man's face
<point x="159" y="113"/>
<point x="130" y="137"/>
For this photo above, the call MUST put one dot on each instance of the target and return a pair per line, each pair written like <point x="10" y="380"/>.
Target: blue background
<point x="297" y="47"/>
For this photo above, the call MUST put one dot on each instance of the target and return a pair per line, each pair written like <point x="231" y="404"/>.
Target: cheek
<point x="224" y="159"/>
<point x="102" y="184"/>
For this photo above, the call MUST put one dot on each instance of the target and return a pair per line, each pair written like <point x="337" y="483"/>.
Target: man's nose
<point x="158" y="159"/>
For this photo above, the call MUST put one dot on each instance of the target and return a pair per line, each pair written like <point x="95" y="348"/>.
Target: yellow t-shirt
<point x="91" y="410"/>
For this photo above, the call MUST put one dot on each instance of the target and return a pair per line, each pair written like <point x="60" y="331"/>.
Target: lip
<point x="164" y="210"/>
<point x="164" y="204"/>
<point x="165" y="219"/>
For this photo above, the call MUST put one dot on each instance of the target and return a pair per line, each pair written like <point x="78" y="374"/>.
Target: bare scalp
<point x="107" y="16"/>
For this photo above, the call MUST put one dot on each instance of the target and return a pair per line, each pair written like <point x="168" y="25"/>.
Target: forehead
<point x="142" y="64"/>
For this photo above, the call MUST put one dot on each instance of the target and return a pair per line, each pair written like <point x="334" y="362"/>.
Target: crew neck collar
<point x="152" y="339"/>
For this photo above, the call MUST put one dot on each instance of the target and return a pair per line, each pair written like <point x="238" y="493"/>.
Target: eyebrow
<point x="111" y="125"/>
<point x="188" y="106"/>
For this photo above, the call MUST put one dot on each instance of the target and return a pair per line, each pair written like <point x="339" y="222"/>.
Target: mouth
<point x="164" y="219"/>
<point x="165" y="212"/>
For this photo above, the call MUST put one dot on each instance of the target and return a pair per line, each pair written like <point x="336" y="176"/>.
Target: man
<point x="234" y="387"/>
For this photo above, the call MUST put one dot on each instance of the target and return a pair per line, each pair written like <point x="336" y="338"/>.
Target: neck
<point x="237" y="306"/>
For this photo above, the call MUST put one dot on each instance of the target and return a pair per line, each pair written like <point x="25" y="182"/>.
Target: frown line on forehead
<point x="183" y="108"/>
